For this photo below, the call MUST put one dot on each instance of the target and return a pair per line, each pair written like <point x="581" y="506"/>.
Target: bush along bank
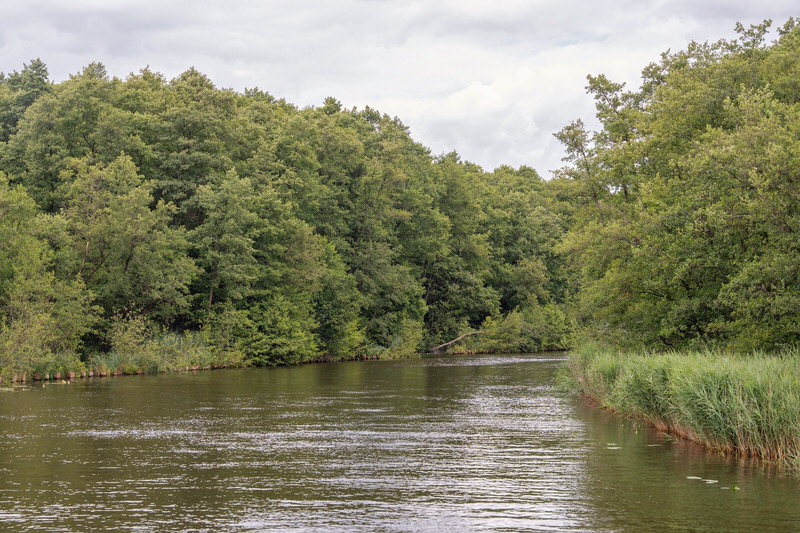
<point x="737" y="404"/>
<point x="135" y="346"/>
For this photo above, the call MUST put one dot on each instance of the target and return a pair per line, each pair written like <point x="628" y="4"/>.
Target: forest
<point x="150" y="225"/>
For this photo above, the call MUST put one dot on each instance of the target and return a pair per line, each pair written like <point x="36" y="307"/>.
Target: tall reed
<point x="741" y="404"/>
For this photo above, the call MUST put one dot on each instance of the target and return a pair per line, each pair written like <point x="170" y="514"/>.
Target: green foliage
<point x="248" y="231"/>
<point x="337" y="308"/>
<point x="405" y="341"/>
<point x="18" y="91"/>
<point x="688" y="234"/>
<point x="532" y="329"/>
<point x="283" y="333"/>
<point x="146" y="214"/>
<point x="506" y="334"/>
<point x="128" y="337"/>
<point x="225" y="242"/>
<point x="42" y="318"/>
<point x="227" y="330"/>
<point x="120" y="244"/>
<point x="138" y="346"/>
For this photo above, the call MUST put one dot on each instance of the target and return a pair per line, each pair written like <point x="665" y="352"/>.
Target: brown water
<point x="435" y="444"/>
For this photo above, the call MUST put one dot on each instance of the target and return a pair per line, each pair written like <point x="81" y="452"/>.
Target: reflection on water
<point x="441" y="443"/>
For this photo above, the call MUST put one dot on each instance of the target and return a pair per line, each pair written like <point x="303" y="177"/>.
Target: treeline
<point x="688" y="230"/>
<point x="149" y="224"/>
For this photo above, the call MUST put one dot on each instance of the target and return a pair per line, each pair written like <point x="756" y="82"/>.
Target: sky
<point x="490" y="79"/>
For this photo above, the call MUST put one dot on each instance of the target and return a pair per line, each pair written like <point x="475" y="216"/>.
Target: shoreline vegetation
<point x="151" y="225"/>
<point x="684" y="257"/>
<point x="135" y="354"/>
<point x="187" y="352"/>
<point x="747" y="405"/>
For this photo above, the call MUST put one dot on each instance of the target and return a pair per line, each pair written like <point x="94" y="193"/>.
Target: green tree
<point x="120" y="242"/>
<point x="18" y="91"/>
<point x="692" y="236"/>
<point x="42" y="318"/>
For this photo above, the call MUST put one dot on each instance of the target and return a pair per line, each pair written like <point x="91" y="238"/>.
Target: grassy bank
<point x="172" y="352"/>
<point x="136" y="349"/>
<point x="747" y="405"/>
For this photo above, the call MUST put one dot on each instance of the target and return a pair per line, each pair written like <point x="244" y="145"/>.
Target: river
<point x="479" y="443"/>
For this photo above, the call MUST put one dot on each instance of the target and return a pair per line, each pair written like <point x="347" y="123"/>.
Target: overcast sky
<point x="491" y="79"/>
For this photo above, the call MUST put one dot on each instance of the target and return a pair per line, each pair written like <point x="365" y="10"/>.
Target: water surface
<point x="452" y="444"/>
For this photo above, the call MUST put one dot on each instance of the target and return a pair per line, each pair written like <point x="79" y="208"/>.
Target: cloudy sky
<point x="491" y="79"/>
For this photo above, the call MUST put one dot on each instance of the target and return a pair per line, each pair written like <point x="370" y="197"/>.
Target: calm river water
<point x="435" y="444"/>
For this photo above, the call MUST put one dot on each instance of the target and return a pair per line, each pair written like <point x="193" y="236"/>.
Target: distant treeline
<point x="147" y="215"/>
<point x="145" y="218"/>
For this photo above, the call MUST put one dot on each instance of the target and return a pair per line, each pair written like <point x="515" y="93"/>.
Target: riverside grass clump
<point x="135" y="347"/>
<point x="737" y="404"/>
<point x="172" y="352"/>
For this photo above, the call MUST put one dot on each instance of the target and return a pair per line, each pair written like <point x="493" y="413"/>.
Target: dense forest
<point x="149" y="224"/>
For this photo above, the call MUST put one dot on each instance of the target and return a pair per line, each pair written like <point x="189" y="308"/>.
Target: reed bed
<point x="171" y="352"/>
<point x="738" y="404"/>
<point x="131" y="354"/>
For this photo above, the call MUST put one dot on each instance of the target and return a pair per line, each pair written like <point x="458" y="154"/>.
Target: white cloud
<point x="492" y="80"/>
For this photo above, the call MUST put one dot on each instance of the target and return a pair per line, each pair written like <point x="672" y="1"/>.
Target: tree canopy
<point x="143" y="208"/>
<point x="687" y="228"/>
<point x="161" y="207"/>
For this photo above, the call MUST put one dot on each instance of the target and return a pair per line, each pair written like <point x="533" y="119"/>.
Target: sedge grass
<point x="737" y="404"/>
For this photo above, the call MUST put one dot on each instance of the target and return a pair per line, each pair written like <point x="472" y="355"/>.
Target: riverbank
<point x="134" y="354"/>
<point x="173" y="352"/>
<point x="737" y="404"/>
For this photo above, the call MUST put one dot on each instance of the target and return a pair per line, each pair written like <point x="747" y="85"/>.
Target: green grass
<point x="170" y="352"/>
<point x="131" y="354"/>
<point x="739" y="404"/>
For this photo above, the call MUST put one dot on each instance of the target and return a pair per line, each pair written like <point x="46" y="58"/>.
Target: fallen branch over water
<point x="441" y="347"/>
